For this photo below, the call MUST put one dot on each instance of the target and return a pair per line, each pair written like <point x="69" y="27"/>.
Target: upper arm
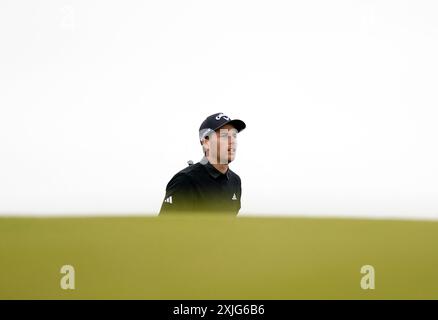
<point x="240" y="192"/>
<point x="179" y="195"/>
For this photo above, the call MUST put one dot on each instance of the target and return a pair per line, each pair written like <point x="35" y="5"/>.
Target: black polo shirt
<point x="201" y="188"/>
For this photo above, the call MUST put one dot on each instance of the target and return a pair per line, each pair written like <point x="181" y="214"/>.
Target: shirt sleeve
<point x="180" y="195"/>
<point x="240" y="195"/>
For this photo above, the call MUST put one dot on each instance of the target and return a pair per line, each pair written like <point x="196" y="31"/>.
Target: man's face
<point x="223" y="144"/>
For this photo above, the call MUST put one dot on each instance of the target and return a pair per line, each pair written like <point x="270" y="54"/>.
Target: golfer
<point x="209" y="185"/>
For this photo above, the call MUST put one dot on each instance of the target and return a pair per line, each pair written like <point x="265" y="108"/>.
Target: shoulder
<point x="234" y="175"/>
<point x="191" y="170"/>
<point x="184" y="177"/>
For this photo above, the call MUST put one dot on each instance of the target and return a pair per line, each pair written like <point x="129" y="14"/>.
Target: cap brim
<point x="236" y="123"/>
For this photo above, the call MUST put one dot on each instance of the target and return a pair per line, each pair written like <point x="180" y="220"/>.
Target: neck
<point x="221" y="167"/>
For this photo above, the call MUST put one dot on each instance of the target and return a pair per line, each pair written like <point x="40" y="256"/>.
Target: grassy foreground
<point x="215" y="257"/>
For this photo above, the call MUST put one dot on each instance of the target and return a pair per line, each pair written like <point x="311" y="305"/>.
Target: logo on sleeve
<point x="234" y="197"/>
<point x="168" y="200"/>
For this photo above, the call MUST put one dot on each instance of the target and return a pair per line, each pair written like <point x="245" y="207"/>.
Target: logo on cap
<point x="221" y="115"/>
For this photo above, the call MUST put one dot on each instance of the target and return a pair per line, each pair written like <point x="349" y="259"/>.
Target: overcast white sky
<point x="100" y="103"/>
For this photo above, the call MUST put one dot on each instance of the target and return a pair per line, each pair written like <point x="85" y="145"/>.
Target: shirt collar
<point x="215" y="173"/>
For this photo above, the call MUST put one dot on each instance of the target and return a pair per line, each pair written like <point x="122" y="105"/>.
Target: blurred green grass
<point x="217" y="257"/>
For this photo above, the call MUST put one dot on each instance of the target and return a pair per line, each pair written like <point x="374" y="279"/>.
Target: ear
<point x="206" y="138"/>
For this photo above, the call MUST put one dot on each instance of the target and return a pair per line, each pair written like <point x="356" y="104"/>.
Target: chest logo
<point x="234" y="197"/>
